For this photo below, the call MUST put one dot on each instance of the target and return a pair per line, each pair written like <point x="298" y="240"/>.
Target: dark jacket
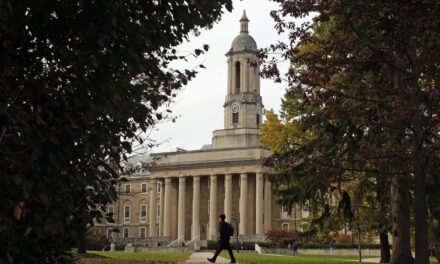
<point x="224" y="231"/>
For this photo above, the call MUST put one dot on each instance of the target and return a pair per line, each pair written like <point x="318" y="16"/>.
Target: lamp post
<point x="236" y="233"/>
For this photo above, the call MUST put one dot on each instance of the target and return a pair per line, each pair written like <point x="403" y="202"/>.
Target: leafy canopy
<point x="79" y="83"/>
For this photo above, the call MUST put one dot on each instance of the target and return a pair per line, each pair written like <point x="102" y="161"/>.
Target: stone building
<point x="227" y="176"/>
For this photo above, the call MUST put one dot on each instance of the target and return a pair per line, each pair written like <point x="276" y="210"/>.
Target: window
<point x="143" y="212"/>
<point x="127" y="188"/>
<point x="143" y="187"/>
<point x="234" y="118"/>
<point x="127" y="213"/>
<point x="158" y="211"/>
<point x="159" y="185"/>
<point x="157" y="232"/>
<point x="258" y="120"/>
<point x="126" y="232"/>
<point x="285" y="226"/>
<point x="285" y="209"/>
<point x="109" y="233"/>
<point x="237" y="77"/>
<point x="142" y="232"/>
<point x="110" y="212"/>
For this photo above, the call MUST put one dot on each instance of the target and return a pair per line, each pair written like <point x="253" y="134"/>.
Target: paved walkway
<point x="200" y="257"/>
<point x="364" y="260"/>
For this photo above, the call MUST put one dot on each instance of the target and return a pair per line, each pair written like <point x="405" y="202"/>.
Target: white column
<point x="243" y="72"/>
<point x="251" y="78"/>
<point x="213" y="222"/>
<point x="234" y="78"/>
<point x="181" y="210"/>
<point x="167" y="209"/>
<point x="153" y="208"/>
<point x="257" y="79"/>
<point x="196" y="208"/>
<point x="259" y="204"/>
<point x="230" y="73"/>
<point x="162" y="207"/>
<point x="243" y="203"/>
<point x="228" y="197"/>
<point x="267" y="205"/>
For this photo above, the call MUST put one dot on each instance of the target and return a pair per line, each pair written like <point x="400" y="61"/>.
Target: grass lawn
<point x="108" y="257"/>
<point x="302" y="259"/>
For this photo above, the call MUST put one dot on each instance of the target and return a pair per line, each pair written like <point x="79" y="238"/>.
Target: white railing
<point x="178" y="240"/>
<point x="257" y="248"/>
<point x="194" y="240"/>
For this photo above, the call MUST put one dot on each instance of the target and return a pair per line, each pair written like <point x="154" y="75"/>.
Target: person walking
<point x="226" y="231"/>
<point x="331" y="245"/>
<point x="295" y="247"/>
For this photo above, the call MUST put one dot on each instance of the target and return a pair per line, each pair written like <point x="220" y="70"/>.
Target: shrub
<point x="279" y="237"/>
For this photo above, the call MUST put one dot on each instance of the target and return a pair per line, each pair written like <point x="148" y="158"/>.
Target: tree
<point x="80" y="81"/>
<point x="364" y="69"/>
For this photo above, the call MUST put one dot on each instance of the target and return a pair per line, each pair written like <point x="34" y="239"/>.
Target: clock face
<point x="235" y="107"/>
<point x="259" y="109"/>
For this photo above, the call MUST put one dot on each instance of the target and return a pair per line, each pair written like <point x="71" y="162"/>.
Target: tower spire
<point x="244" y="21"/>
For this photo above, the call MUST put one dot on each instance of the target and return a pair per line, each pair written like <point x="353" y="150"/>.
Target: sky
<point x="199" y="106"/>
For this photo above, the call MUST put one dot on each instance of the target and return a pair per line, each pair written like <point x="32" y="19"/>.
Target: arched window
<point x="285" y="226"/>
<point x="237" y="77"/>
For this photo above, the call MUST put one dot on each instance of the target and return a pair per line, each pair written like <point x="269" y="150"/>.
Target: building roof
<point x="244" y="41"/>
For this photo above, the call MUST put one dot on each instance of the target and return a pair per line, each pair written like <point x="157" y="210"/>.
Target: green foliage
<point x="364" y="82"/>
<point x="79" y="83"/>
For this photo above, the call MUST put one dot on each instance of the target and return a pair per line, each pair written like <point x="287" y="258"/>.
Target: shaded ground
<point x="100" y="257"/>
<point x="254" y="258"/>
<point x="107" y="257"/>
<point x="200" y="257"/>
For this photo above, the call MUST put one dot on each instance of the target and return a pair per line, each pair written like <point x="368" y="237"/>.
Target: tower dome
<point x="243" y="41"/>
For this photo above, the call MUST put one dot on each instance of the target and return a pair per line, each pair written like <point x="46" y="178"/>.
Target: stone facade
<point x="226" y="176"/>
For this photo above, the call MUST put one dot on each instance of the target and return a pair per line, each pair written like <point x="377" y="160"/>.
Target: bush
<point x="280" y="237"/>
<point x="96" y="243"/>
<point x="338" y="246"/>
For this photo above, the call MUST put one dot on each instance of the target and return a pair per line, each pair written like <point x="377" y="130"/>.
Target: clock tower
<point x="243" y="104"/>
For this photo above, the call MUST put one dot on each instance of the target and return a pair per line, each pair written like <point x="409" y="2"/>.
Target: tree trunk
<point x="384" y="247"/>
<point x="383" y="189"/>
<point x="437" y="250"/>
<point x="401" y="253"/>
<point x="359" y="242"/>
<point x="419" y="160"/>
<point x="420" y="211"/>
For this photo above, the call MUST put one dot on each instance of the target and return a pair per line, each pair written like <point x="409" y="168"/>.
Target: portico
<point x="212" y="186"/>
